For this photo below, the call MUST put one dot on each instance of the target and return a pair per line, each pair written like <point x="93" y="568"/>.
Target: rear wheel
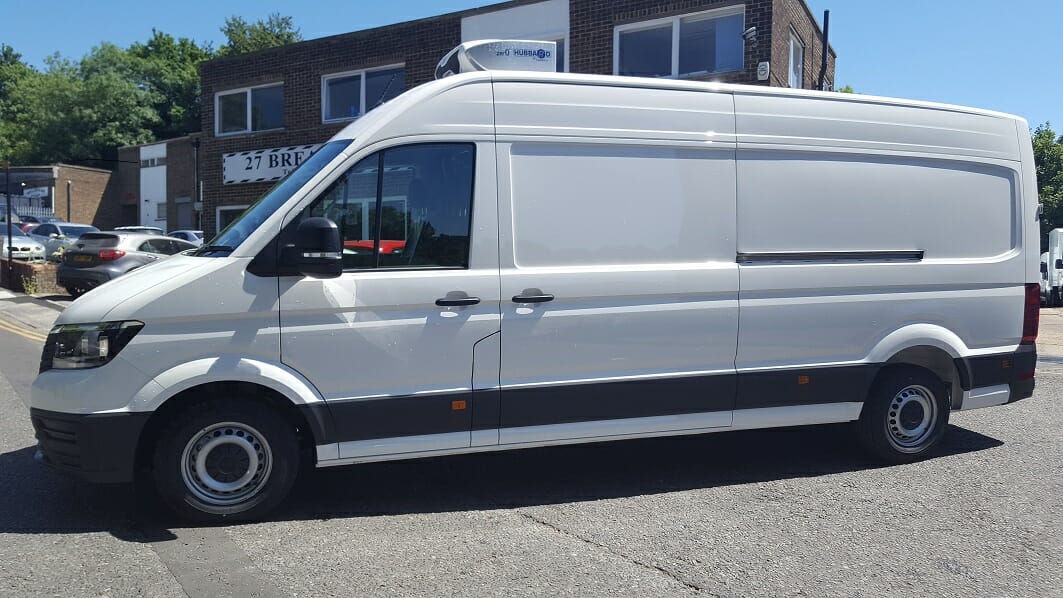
<point x="75" y="292"/>
<point x="232" y="460"/>
<point x="905" y="415"/>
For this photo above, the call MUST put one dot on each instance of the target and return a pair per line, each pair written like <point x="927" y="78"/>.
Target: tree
<point x="77" y="112"/>
<point x="846" y="89"/>
<point x="12" y="74"/>
<point x="169" y="68"/>
<point x="1048" y="156"/>
<point x="245" y="37"/>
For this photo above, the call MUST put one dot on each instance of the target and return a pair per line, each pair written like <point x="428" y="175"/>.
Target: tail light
<point x="1031" y="315"/>
<point x="109" y="255"/>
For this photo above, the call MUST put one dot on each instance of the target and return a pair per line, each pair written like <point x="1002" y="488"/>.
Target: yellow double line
<point x="27" y="334"/>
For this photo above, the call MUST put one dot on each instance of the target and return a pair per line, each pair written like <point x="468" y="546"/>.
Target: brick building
<point x="155" y="184"/>
<point x="266" y="111"/>
<point x="42" y="190"/>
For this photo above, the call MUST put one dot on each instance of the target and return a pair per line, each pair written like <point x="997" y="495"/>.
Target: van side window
<point x="404" y="207"/>
<point x="425" y="214"/>
<point x="351" y="204"/>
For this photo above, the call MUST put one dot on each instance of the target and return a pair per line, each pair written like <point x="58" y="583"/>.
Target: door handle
<point x="537" y="297"/>
<point x="449" y="301"/>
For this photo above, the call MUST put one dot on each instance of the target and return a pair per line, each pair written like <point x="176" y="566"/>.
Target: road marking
<point x="206" y="562"/>
<point x="28" y="334"/>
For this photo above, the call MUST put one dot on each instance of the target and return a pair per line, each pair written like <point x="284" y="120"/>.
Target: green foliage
<point x="169" y="68"/>
<point x="1048" y="155"/>
<point x="846" y="89"/>
<point x="245" y="37"/>
<point x="74" y="112"/>
<point x="12" y="73"/>
<point x="80" y="111"/>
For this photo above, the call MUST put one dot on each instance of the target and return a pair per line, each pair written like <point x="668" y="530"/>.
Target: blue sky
<point x="975" y="52"/>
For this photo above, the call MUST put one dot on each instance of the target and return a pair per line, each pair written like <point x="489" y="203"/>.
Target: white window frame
<point x="557" y="38"/>
<point x="247" y="107"/>
<point x="795" y="42"/>
<point x="361" y="74"/>
<point x="676" y="22"/>
<point x="217" y="215"/>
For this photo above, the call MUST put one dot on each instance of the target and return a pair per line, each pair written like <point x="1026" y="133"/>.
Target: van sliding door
<point x="619" y="283"/>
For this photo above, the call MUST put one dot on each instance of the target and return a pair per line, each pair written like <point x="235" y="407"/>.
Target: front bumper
<point x="99" y="448"/>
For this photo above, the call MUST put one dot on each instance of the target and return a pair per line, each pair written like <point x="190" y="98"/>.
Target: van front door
<point x="389" y="344"/>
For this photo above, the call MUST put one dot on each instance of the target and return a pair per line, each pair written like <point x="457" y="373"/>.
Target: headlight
<point x="80" y="346"/>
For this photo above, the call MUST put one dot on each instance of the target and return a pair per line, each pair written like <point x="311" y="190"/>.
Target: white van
<point x="1053" y="269"/>
<point x="502" y="260"/>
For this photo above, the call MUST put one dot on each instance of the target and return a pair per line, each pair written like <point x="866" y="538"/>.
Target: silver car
<point x="59" y="235"/>
<point x="22" y="247"/>
<point x="194" y="237"/>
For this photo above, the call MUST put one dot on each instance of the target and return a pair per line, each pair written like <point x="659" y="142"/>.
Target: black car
<point x="96" y="258"/>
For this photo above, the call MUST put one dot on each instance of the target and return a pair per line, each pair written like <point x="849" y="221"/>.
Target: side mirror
<point x="1059" y="264"/>
<point x="53" y="236"/>
<point x="317" y="251"/>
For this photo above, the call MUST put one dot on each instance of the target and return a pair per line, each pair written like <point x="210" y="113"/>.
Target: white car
<point x="24" y="248"/>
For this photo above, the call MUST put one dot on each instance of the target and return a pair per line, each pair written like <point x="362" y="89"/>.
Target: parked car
<point x="56" y="236"/>
<point x="194" y="237"/>
<point x="148" y="230"/>
<point x="24" y="248"/>
<point x="31" y="222"/>
<point x="96" y="258"/>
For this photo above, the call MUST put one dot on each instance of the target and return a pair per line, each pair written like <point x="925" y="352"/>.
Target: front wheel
<point x="229" y="460"/>
<point x="906" y="414"/>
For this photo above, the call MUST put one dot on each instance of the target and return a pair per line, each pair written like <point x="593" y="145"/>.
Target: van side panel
<point x="619" y="203"/>
<point x="857" y="220"/>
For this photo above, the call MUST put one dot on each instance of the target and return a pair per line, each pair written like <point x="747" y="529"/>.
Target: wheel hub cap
<point x="226" y="463"/>
<point x="911" y="417"/>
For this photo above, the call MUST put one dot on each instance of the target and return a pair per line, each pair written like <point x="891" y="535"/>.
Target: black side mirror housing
<point x="317" y="251"/>
<point x="1044" y="268"/>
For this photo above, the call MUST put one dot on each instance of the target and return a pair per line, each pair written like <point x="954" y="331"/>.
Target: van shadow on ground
<point x="36" y="500"/>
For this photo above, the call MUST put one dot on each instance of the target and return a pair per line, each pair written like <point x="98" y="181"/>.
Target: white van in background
<point x="501" y="260"/>
<point x="1044" y="279"/>
<point x="1054" y="268"/>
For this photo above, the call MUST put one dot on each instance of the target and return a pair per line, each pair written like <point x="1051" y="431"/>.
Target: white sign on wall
<point x="35" y="192"/>
<point x="264" y="165"/>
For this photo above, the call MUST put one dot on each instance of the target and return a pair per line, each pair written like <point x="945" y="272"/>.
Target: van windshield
<point x="237" y="232"/>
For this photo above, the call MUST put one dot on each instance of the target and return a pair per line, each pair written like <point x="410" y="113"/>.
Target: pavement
<point x="795" y="512"/>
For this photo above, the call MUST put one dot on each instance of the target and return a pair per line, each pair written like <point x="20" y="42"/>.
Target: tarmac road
<point x="779" y="513"/>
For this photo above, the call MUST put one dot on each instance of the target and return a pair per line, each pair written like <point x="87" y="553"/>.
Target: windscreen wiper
<point x="212" y="248"/>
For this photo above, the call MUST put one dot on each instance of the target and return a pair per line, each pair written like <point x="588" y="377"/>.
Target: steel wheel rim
<point x="911" y="417"/>
<point x="226" y="463"/>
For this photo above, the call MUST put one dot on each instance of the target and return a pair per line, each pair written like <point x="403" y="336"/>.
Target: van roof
<point x="677" y="84"/>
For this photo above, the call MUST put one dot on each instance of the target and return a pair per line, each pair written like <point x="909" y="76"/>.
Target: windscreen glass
<point x="237" y="232"/>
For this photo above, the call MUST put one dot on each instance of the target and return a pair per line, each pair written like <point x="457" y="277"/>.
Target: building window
<point x="562" y="54"/>
<point x="249" y="110"/>
<point x="684" y="46"/>
<point x="226" y="215"/>
<point x="347" y="96"/>
<point x="797" y="61"/>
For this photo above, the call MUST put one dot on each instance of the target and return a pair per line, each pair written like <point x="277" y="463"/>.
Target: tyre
<point x="905" y="415"/>
<point x="74" y="292"/>
<point x="229" y="460"/>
